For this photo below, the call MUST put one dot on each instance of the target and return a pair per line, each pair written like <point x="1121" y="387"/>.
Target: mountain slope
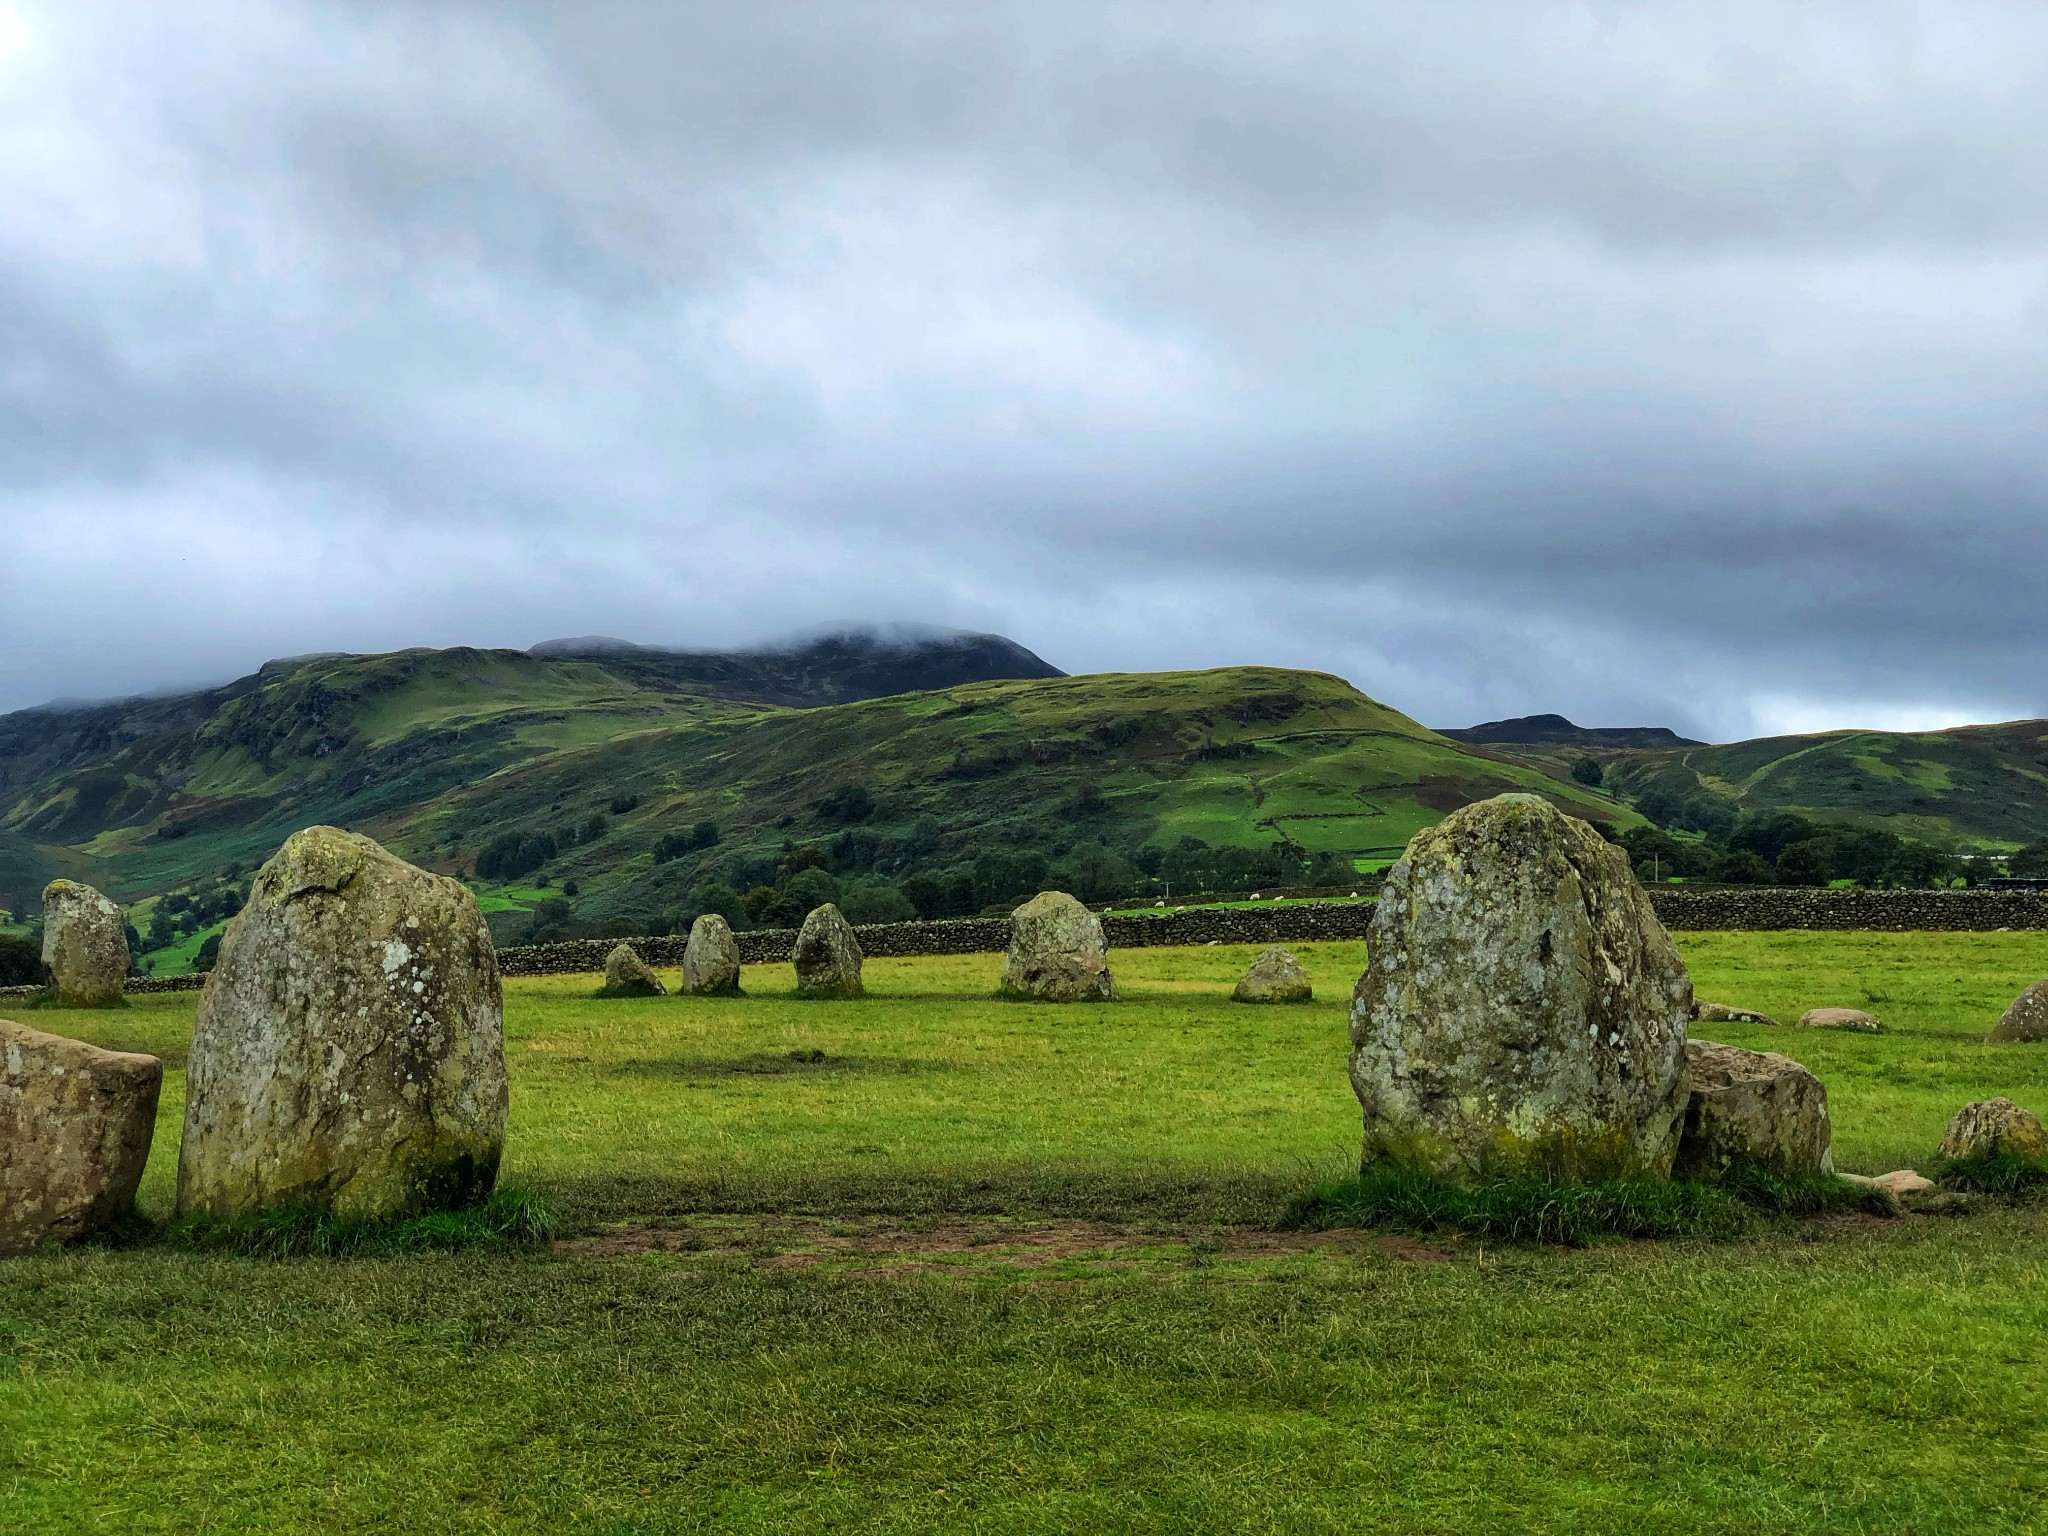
<point x="1974" y="787"/>
<point x="441" y="753"/>
<point x="1555" y="730"/>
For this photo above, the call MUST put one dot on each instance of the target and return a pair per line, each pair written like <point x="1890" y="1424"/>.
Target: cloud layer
<point x="1673" y="363"/>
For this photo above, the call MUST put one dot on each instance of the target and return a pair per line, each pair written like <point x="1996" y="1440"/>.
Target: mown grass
<point x="1782" y="1376"/>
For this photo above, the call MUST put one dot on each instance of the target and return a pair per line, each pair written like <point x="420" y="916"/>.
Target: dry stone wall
<point x="1753" y="909"/>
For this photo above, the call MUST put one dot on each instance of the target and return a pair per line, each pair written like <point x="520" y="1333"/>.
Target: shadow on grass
<point x="511" y="1218"/>
<point x="1538" y="1211"/>
<point x="810" y="1063"/>
<point x="1247" y="1197"/>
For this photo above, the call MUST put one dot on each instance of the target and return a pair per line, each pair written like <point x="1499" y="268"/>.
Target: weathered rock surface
<point x="75" y="1128"/>
<point x="627" y="975"/>
<point x="1523" y="1008"/>
<point x="85" y="945"/>
<point x="1751" y="1109"/>
<point x="1840" y="1018"/>
<point x="711" y="960"/>
<point x="349" y="1049"/>
<point x="1721" y="1013"/>
<point x="1994" y="1128"/>
<point x="1275" y="977"/>
<point x="2026" y="1020"/>
<point x="1057" y="953"/>
<point x="827" y="955"/>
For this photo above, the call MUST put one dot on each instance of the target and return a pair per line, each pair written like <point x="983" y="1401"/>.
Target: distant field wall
<point x="1757" y="909"/>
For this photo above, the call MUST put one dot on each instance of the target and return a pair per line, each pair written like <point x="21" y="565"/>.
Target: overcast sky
<point x="1655" y="363"/>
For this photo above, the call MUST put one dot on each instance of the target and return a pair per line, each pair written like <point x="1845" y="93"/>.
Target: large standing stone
<point x="1275" y="977"/>
<point x="711" y="960"/>
<point x="1523" y="1010"/>
<point x="1057" y="953"/>
<point x="827" y="956"/>
<point x="1994" y="1128"/>
<point x="349" y="1052"/>
<point x="2026" y="1020"/>
<point x="1752" y="1109"/>
<point x="85" y="945"/>
<point x="627" y="975"/>
<point x="75" y="1127"/>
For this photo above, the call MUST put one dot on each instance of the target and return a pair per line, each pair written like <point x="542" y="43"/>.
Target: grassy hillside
<point x="441" y="754"/>
<point x="1975" y="787"/>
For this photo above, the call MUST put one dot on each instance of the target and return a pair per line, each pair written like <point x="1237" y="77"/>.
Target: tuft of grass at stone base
<point x="511" y="1218"/>
<point x="1540" y="1211"/>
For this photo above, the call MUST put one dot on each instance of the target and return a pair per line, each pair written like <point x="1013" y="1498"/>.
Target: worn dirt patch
<point x="949" y="1242"/>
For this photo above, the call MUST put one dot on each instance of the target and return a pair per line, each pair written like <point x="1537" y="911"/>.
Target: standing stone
<point x="1853" y="1019"/>
<point x="75" y="1127"/>
<point x="349" y="1052"/>
<point x="1275" y="977"/>
<point x="85" y="945"/>
<point x="1994" y="1128"/>
<point x="1057" y="953"/>
<point x="711" y="960"/>
<point x="2026" y="1020"/>
<point x="1523" y="1010"/>
<point x="1752" y="1109"/>
<point x="827" y="956"/>
<point x="627" y="975"/>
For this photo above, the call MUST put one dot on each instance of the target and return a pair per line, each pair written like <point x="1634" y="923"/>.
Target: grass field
<point x="934" y="1262"/>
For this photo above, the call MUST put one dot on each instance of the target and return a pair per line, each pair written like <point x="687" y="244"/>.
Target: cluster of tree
<point x="673" y="845"/>
<point x="2031" y="862"/>
<point x="180" y="913"/>
<point x="21" y="961"/>
<point x="1784" y="848"/>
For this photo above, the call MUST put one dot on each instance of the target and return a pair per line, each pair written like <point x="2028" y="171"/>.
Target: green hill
<point x="1973" y="788"/>
<point x="605" y="770"/>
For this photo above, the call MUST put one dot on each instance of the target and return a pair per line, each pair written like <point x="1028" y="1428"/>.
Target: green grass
<point x="933" y="1262"/>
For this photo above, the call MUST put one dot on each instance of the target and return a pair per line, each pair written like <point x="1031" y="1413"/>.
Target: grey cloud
<point x="1647" y="361"/>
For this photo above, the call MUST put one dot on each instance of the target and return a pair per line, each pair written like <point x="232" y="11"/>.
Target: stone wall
<point x="1767" y="908"/>
<point x="1743" y="908"/>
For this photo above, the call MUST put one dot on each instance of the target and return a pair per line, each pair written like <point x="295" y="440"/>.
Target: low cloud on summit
<point x="1654" y="363"/>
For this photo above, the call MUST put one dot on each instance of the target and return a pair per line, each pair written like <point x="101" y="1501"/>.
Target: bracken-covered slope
<point x="437" y="753"/>
<point x="1979" y="786"/>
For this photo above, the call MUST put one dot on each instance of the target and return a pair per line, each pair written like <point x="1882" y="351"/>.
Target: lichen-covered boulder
<point x="711" y="960"/>
<point x="85" y="945"/>
<point x="1994" y="1128"/>
<point x="1721" y="1013"/>
<point x="75" y="1128"/>
<point x="1274" y="977"/>
<point x="627" y="975"/>
<point x="1057" y="952"/>
<point x="827" y="956"/>
<point x="1853" y="1019"/>
<point x="1523" y="1009"/>
<point x="2026" y="1020"/>
<point x="1751" y="1109"/>
<point x="349" y="1052"/>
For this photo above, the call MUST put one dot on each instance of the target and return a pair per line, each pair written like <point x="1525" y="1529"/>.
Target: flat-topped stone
<point x="75" y="1127"/>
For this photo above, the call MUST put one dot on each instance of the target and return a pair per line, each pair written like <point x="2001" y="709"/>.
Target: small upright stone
<point x="1853" y="1019"/>
<point x="349" y="1052"/>
<point x="1057" y="953"/>
<point x="627" y="975"/>
<point x="1752" y="1109"/>
<point x="85" y="945"/>
<point x="1523" y="1010"/>
<point x="827" y="956"/>
<point x="1994" y="1128"/>
<point x="75" y="1128"/>
<point x="711" y="960"/>
<point x="1275" y="977"/>
<point x="2026" y="1020"/>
